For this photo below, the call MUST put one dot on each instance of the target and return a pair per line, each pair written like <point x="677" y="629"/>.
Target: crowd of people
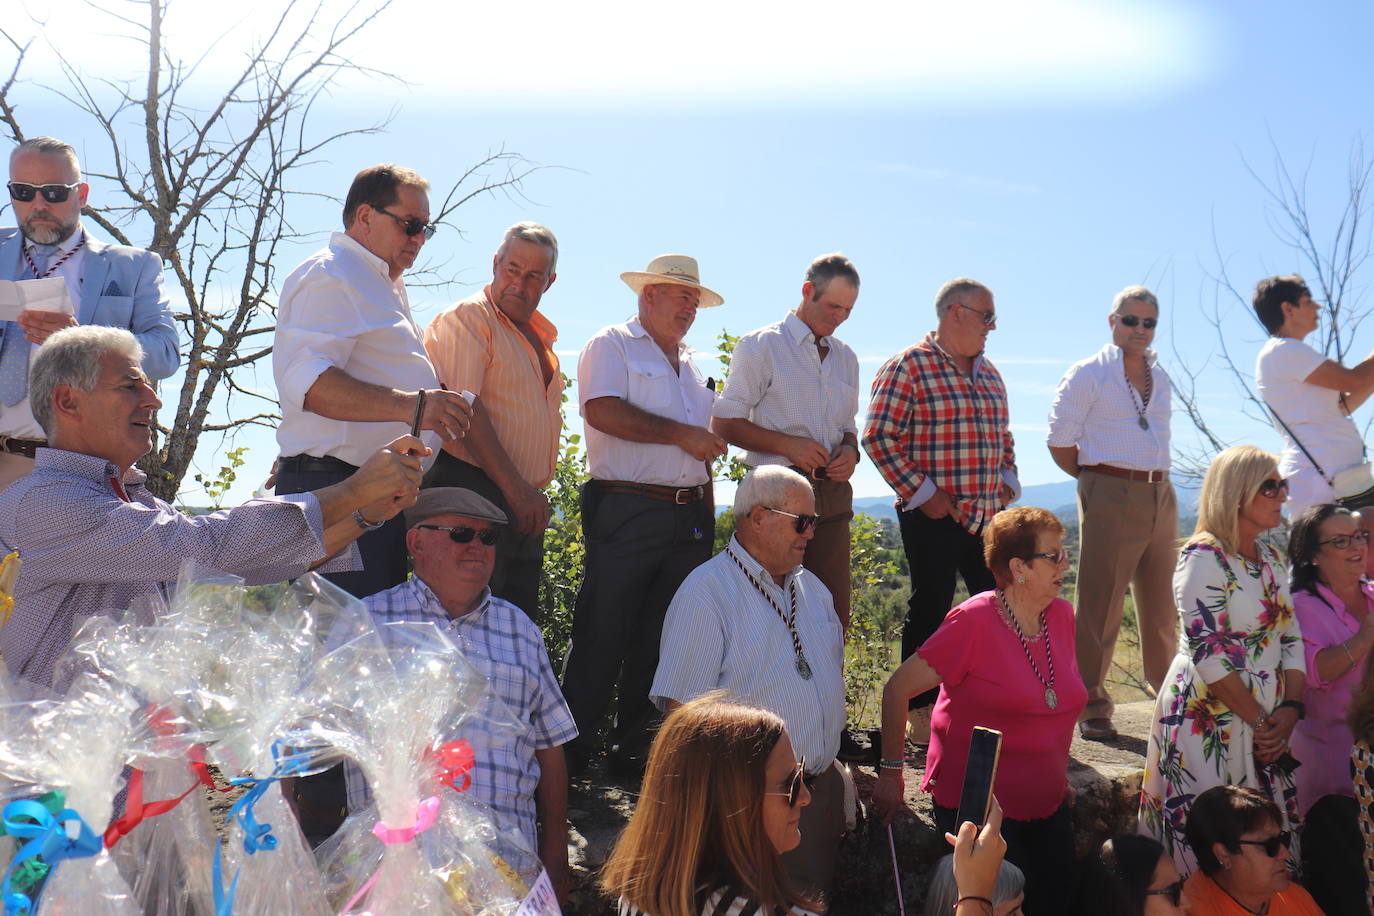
<point x="413" y="472"/>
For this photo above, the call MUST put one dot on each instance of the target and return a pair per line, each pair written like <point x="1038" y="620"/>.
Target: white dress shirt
<point x="778" y="381"/>
<point x="18" y="421"/>
<point x="1095" y="409"/>
<point x="721" y="633"/>
<point x="622" y="361"/>
<point x="342" y="309"/>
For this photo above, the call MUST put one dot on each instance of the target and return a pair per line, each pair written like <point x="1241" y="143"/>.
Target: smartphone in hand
<point x="980" y="773"/>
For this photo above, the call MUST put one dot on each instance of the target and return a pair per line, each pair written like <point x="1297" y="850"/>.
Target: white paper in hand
<point x="541" y="900"/>
<point x="48" y="295"/>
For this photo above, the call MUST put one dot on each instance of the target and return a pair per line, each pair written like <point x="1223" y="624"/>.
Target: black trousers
<point x="937" y="549"/>
<point x="385" y="562"/>
<point x="1332" y="867"/>
<point x="1044" y="851"/>
<point x="519" y="556"/>
<point x="639" y="549"/>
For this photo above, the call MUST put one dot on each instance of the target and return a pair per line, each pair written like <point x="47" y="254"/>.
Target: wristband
<point x="972" y="899"/>
<point x="1297" y="706"/>
<point x="891" y="764"/>
<point x="364" y="523"/>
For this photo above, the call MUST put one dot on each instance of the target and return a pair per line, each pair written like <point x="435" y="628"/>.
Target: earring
<point x="1020" y="580"/>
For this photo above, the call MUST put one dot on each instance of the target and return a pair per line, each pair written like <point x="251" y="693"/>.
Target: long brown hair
<point x="699" y="822"/>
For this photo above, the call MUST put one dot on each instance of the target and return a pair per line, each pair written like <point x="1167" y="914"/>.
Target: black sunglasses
<point x="464" y="535"/>
<point x="804" y="522"/>
<point x="793" y="793"/>
<point x="411" y="225"/>
<point x="52" y="193"/>
<point x="1131" y="321"/>
<point x="1271" y="488"/>
<point x="1174" y="892"/>
<point x="989" y="318"/>
<point x="1270" y="846"/>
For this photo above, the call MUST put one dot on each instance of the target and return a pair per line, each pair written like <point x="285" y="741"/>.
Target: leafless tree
<point x="1330" y="253"/>
<point x="209" y="187"/>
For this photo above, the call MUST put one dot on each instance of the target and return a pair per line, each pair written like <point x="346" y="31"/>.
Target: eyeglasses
<point x="464" y="535"/>
<point x="52" y="193"/>
<point x="1343" y="541"/>
<point x="411" y="225"/>
<point x="1059" y="556"/>
<point x="1271" y="488"/>
<point x="804" y="522"/>
<point x="1173" y="891"/>
<point x="794" y="787"/>
<point x="1270" y="846"/>
<point x="989" y="318"/>
<point x="1131" y="321"/>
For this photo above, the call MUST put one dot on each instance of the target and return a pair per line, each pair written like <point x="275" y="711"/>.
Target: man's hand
<point x="448" y="413"/>
<point x="842" y="462"/>
<point x="38" y="326"/>
<point x="805" y="453"/>
<point x="389" y="481"/>
<point x="1007" y="494"/>
<point x="701" y="443"/>
<point x="941" y="504"/>
<point x="530" y="508"/>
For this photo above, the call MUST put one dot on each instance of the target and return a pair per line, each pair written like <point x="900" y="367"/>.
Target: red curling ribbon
<point x="135" y="810"/>
<point x="455" y="760"/>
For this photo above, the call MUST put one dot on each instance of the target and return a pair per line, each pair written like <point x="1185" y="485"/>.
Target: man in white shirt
<point x="350" y="368"/>
<point x="1310" y="397"/>
<point x="112" y="285"/>
<point x="753" y="621"/>
<point x="1109" y="428"/>
<point x="647" y="513"/>
<point x="792" y="397"/>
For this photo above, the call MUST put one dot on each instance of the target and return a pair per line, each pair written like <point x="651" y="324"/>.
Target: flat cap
<point x="452" y="501"/>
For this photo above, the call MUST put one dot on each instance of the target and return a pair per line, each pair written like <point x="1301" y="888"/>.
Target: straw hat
<point x="677" y="269"/>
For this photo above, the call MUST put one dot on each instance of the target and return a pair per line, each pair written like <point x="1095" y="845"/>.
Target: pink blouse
<point x="987" y="680"/>
<point x="1322" y="741"/>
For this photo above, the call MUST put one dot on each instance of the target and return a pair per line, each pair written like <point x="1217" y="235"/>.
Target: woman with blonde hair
<point x="1233" y="692"/>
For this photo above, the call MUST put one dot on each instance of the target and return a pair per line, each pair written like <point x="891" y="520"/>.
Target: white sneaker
<point x="918" y="725"/>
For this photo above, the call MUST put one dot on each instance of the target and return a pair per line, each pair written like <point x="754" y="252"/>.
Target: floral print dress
<point x="1236" y="617"/>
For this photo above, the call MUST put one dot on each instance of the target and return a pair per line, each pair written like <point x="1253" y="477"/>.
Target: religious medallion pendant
<point x="803" y="667"/>
<point x="1051" y="698"/>
<point x="1144" y="423"/>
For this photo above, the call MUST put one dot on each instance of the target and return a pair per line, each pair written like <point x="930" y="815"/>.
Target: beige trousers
<point x="1128" y="535"/>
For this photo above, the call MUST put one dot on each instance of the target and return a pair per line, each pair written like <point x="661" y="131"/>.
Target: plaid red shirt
<point x="929" y="420"/>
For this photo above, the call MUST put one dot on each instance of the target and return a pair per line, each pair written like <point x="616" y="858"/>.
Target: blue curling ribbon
<point x="47" y="836"/>
<point x="256" y="836"/>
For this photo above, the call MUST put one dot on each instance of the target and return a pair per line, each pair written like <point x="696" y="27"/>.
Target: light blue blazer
<point x="121" y="287"/>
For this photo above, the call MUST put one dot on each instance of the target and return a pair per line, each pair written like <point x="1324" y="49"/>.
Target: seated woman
<point x="1237" y="835"/>
<point x="1003" y="659"/>
<point x="1234" y="691"/>
<point x="1132" y="875"/>
<point x="1332" y="599"/>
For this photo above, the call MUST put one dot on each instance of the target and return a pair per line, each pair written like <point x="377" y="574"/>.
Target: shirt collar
<point x="637" y="330"/>
<point x="70" y="243"/>
<point x="944" y="354"/>
<point x="89" y="467"/>
<point x="755" y="567"/>
<point x="1116" y="354"/>
<point x="800" y="332"/>
<point x="375" y="264"/>
<point x="429" y="602"/>
<point x="543" y="328"/>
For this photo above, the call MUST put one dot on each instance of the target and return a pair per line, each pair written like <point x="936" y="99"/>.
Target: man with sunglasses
<point x="937" y="430"/>
<point x="498" y="345"/>
<point x="1109" y="428"/>
<point x="752" y="620"/>
<point x="350" y="369"/>
<point x="113" y="285"/>
<point x="522" y="778"/>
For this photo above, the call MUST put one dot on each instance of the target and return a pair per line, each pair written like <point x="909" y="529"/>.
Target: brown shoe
<point x="1097" y="729"/>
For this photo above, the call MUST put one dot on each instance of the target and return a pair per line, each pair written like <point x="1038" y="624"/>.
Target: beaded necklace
<point x="1051" y="698"/>
<point x="803" y="666"/>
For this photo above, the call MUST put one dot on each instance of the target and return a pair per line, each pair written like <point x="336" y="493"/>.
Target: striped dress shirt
<point x="929" y="425"/>
<point x="721" y="633"/>
<point x="476" y="348"/>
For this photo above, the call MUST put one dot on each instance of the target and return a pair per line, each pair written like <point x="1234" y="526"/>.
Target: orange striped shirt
<point x="475" y="347"/>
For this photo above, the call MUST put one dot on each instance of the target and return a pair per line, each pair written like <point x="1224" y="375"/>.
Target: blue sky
<point x="1057" y="151"/>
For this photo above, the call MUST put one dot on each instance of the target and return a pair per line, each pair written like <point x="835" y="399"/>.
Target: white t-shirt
<point x="1313" y="413"/>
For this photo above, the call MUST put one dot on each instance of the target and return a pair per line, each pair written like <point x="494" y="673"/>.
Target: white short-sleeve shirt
<point x="622" y="361"/>
<point x="1313" y="414"/>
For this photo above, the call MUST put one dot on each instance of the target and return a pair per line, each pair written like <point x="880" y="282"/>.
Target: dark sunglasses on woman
<point x="793" y="793"/>
<point x="1270" y="846"/>
<point x="1271" y="488"/>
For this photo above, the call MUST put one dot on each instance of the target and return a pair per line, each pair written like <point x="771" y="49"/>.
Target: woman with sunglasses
<point x="1242" y="854"/>
<point x="1327" y="551"/>
<point x="1003" y="659"/>
<point x="1132" y="875"/>
<point x="1233" y="693"/>
<point x="1310" y="397"/>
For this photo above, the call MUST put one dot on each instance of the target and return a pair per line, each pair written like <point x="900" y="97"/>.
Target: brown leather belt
<point x="25" y="447"/>
<point x="679" y="495"/>
<point x="1127" y="473"/>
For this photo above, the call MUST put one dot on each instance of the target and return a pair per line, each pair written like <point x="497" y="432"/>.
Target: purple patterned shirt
<point x="87" y="552"/>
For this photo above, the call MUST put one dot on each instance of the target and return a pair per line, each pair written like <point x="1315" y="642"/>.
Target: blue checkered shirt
<point x="506" y="646"/>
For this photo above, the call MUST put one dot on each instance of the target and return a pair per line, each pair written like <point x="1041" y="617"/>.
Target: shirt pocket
<point x="844" y="402"/>
<point x="651" y="385"/>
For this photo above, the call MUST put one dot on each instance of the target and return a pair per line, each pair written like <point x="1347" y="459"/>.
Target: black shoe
<point x="851" y="751"/>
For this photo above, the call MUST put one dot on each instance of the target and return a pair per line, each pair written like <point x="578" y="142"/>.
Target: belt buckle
<point x="5" y="442"/>
<point x="678" y="497"/>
